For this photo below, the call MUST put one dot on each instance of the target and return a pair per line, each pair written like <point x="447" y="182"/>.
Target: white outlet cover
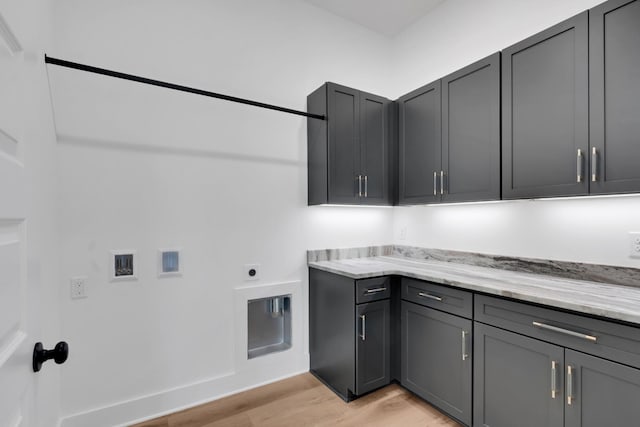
<point x="78" y="287"/>
<point x="170" y="262"/>
<point x="248" y="268"/>
<point x="132" y="275"/>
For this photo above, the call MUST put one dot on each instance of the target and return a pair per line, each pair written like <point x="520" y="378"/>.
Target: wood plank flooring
<point x="304" y="401"/>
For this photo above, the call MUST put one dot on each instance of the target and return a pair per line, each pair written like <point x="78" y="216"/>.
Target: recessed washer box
<point x="269" y="323"/>
<point x="122" y="265"/>
<point x="170" y="262"/>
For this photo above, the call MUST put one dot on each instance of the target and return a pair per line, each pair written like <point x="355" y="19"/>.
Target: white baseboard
<point x="159" y="404"/>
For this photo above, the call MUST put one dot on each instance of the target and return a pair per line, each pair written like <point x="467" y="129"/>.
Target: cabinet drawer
<point x="454" y="301"/>
<point x="609" y="340"/>
<point x="374" y="289"/>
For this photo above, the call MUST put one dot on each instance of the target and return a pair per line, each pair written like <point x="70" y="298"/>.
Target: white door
<point x="19" y="304"/>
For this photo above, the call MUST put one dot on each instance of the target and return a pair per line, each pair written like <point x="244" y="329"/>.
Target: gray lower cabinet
<point x="349" y="154"/>
<point x="513" y="380"/>
<point x="545" y="113"/>
<point x="373" y="348"/>
<point x="603" y="393"/>
<point x="548" y="378"/>
<point x="614" y="92"/>
<point x="349" y="343"/>
<point x="436" y="358"/>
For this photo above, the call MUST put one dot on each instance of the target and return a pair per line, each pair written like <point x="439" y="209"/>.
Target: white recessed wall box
<point x="123" y="265"/>
<point x="170" y="262"/>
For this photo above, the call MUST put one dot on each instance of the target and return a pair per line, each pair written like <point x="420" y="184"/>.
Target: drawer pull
<point x="566" y="331"/>
<point x="433" y="297"/>
<point x="373" y="291"/>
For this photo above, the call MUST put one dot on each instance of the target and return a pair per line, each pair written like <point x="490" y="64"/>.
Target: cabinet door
<point x="545" y="113"/>
<point x="373" y="346"/>
<point x="614" y="28"/>
<point x="602" y="393"/>
<point x="344" y="144"/>
<point x="513" y="380"/>
<point x="375" y="148"/>
<point x="436" y="358"/>
<point x="419" y="146"/>
<point x="471" y="132"/>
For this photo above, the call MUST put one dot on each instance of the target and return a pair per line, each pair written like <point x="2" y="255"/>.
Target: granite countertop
<point x="612" y="301"/>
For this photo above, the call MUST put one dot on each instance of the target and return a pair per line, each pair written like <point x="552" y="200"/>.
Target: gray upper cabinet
<point x="419" y="145"/>
<point x="545" y="113"/>
<point x="471" y="132"/>
<point x="348" y="154"/>
<point x="614" y="28"/>
<point x="449" y="137"/>
<point x="514" y="377"/>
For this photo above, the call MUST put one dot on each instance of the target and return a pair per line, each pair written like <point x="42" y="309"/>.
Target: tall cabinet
<point x="349" y="153"/>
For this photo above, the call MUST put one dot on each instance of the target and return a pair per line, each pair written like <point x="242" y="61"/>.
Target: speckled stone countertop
<point x="612" y="301"/>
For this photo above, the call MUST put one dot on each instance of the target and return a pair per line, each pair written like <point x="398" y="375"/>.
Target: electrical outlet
<point x="78" y="287"/>
<point x="252" y="272"/>
<point x="634" y="244"/>
<point x="403" y="233"/>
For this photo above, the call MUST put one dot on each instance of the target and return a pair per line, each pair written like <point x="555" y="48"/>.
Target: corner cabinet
<point x="449" y="137"/>
<point x="349" y="153"/>
<point x="349" y="332"/>
<point x="614" y="28"/>
<point x="545" y="113"/>
<point x="535" y="366"/>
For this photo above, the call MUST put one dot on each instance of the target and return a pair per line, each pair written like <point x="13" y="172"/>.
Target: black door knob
<point x="59" y="354"/>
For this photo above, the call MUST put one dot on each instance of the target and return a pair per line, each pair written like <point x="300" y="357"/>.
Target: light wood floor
<point x="304" y="401"/>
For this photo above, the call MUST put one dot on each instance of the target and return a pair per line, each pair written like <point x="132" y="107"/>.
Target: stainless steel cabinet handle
<point x="594" y="164"/>
<point x="441" y="183"/>
<point x="554" y="379"/>
<point x="435" y="183"/>
<point x="566" y="331"/>
<point x="366" y="185"/>
<point x="464" y="345"/>
<point x="373" y="291"/>
<point x="359" y="185"/>
<point x="363" y="318"/>
<point x="433" y="297"/>
<point x="569" y="385"/>
<point x="579" y="166"/>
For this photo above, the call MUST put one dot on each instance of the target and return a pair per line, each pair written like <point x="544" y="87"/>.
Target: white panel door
<point x="17" y="380"/>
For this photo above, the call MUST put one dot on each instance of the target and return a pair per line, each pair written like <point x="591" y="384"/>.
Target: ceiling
<point x="386" y="17"/>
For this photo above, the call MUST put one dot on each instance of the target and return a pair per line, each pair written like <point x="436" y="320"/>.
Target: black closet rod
<point x="131" y="77"/>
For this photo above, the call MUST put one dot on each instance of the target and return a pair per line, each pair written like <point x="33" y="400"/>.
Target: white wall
<point x="144" y="168"/>
<point x="455" y="34"/>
